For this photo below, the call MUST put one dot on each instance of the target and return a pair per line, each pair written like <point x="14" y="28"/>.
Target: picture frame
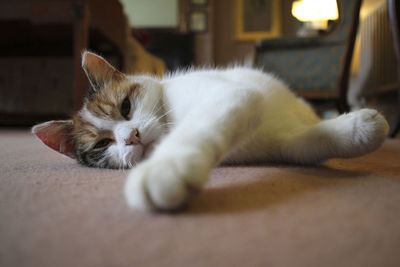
<point x="199" y="3"/>
<point x="257" y="19"/>
<point x="198" y="21"/>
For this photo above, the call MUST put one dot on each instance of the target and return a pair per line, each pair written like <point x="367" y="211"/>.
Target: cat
<point x="174" y="130"/>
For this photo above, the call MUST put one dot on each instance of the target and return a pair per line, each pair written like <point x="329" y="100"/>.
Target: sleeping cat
<point x="175" y="129"/>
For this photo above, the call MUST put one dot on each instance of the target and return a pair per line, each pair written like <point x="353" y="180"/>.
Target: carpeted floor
<point x="54" y="212"/>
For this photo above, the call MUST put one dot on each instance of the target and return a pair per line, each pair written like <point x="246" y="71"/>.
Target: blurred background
<point x="315" y="46"/>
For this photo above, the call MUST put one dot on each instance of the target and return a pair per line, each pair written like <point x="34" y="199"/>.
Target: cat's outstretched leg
<point x="349" y="135"/>
<point x="182" y="161"/>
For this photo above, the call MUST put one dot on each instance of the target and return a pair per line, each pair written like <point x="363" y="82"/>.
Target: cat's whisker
<point x="165" y="114"/>
<point x="156" y="105"/>
<point x="168" y="123"/>
<point x="165" y="126"/>
<point x="159" y="108"/>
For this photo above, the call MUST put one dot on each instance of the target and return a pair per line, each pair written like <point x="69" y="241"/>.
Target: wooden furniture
<point x="394" y="17"/>
<point x="315" y="67"/>
<point x="40" y="54"/>
<point x="76" y="24"/>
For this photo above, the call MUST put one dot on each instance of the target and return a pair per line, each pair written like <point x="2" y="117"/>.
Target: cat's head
<point x="119" y="123"/>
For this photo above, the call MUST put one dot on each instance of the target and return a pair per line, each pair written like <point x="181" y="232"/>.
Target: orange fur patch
<point x="105" y="104"/>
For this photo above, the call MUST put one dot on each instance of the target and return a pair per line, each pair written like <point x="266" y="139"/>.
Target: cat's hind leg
<point x="349" y="135"/>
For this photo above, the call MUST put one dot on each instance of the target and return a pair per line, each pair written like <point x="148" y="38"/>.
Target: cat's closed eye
<point x="125" y="107"/>
<point x="102" y="143"/>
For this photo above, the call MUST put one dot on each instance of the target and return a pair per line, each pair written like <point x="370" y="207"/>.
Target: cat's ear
<point x="57" y="135"/>
<point x="99" y="71"/>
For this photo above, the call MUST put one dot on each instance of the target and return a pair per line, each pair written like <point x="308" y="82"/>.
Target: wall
<point x="217" y="46"/>
<point x="152" y="13"/>
<point x="367" y="8"/>
<point x="204" y="42"/>
<point x="226" y="48"/>
<point x="374" y="63"/>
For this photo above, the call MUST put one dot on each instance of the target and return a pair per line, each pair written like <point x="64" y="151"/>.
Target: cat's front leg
<point x="180" y="165"/>
<point x="165" y="183"/>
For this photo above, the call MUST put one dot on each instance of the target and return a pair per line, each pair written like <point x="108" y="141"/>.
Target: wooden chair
<point x="394" y="17"/>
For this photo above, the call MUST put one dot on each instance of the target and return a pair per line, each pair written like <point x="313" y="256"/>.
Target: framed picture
<point x="198" y="21"/>
<point x="198" y="2"/>
<point x="257" y="19"/>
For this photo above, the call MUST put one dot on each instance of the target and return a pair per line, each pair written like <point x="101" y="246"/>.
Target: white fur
<point x="235" y="115"/>
<point x="144" y="116"/>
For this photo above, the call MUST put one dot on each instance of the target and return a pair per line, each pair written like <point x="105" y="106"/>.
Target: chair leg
<point x="396" y="126"/>
<point x="341" y="103"/>
<point x="394" y="19"/>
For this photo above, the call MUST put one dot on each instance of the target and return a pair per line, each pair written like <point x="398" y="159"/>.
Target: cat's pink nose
<point x="134" y="138"/>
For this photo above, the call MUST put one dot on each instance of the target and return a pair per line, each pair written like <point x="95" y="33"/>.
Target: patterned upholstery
<point x="312" y="64"/>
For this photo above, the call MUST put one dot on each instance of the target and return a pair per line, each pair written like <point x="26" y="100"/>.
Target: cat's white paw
<point x="367" y="130"/>
<point x="163" y="184"/>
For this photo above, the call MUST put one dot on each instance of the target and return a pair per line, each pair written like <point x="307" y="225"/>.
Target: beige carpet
<point x="54" y="212"/>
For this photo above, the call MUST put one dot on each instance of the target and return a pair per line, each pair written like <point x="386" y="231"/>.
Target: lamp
<point x="315" y="13"/>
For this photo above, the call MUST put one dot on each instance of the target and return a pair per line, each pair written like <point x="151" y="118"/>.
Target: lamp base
<point x="312" y="28"/>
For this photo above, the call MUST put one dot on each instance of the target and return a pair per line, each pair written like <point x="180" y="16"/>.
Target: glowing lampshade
<point x="315" y="10"/>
